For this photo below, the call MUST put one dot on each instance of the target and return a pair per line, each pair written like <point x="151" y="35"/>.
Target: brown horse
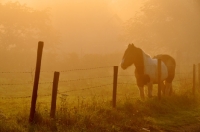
<point x="146" y="69"/>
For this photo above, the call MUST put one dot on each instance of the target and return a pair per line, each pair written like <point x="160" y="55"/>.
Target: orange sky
<point x="124" y="8"/>
<point x="87" y="25"/>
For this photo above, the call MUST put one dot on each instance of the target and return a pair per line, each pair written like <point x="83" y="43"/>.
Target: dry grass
<point x="96" y="114"/>
<point x="91" y="110"/>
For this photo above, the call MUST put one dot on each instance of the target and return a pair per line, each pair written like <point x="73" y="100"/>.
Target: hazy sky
<point x="97" y="26"/>
<point x="87" y="25"/>
<point x="124" y="8"/>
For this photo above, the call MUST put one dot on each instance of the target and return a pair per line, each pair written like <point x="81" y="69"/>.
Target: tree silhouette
<point x="166" y="23"/>
<point x="21" y="27"/>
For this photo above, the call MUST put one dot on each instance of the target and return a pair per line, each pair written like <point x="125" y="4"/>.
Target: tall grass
<point x="96" y="114"/>
<point x="91" y="110"/>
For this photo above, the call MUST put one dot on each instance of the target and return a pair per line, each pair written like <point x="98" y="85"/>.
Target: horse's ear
<point x="131" y="45"/>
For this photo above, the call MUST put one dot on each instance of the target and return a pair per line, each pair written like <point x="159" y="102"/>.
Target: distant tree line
<point x="21" y="27"/>
<point x="167" y="26"/>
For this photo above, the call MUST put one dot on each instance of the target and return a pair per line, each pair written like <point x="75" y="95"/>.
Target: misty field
<point x="83" y="40"/>
<point x="84" y="103"/>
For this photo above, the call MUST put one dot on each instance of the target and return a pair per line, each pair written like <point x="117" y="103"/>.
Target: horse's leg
<point x="142" y="95"/>
<point x="163" y="87"/>
<point x="150" y="89"/>
<point x="168" y="87"/>
<point x="171" y="90"/>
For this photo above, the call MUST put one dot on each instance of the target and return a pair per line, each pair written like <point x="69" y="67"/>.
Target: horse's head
<point x="129" y="56"/>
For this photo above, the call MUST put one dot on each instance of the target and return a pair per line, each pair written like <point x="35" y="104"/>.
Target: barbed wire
<point x="15" y="84"/>
<point x="183" y="79"/>
<point x="123" y="83"/>
<point x="58" y="92"/>
<point x="75" y="90"/>
<point x="183" y="73"/>
<point x="78" y="69"/>
<point x="21" y="97"/>
<point x="15" y="72"/>
<point x="83" y="69"/>
<point x="81" y="79"/>
<point x="69" y="70"/>
<point x="126" y="75"/>
<point x="85" y="88"/>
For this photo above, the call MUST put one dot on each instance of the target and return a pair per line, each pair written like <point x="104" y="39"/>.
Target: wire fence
<point x="68" y="70"/>
<point x="182" y="77"/>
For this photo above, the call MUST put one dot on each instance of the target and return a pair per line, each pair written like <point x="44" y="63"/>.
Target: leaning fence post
<point x="36" y="81"/>
<point x="159" y="78"/>
<point x="54" y="94"/>
<point x="115" y="85"/>
<point x="194" y="79"/>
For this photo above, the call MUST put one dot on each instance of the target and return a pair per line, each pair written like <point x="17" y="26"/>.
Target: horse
<point x="146" y="69"/>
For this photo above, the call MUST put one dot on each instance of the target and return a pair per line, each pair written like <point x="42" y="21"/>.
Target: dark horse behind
<point x="146" y="69"/>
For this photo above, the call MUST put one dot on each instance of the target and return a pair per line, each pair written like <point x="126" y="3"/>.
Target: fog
<point x="74" y="29"/>
<point x="86" y="25"/>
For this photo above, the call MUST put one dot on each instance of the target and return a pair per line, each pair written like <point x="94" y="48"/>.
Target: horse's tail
<point x="170" y="63"/>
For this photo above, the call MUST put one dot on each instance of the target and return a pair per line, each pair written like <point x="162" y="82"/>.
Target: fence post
<point x="115" y="85"/>
<point x="54" y="94"/>
<point x="159" y="79"/>
<point x="199" y="75"/>
<point x="36" y="81"/>
<point x="194" y="79"/>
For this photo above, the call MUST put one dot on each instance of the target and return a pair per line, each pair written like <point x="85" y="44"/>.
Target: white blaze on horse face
<point x="151" y="68"/>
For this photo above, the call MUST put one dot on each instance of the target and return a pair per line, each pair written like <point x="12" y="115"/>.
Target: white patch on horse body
<point x="122" y="61"/>
<point x="151" y="68"/>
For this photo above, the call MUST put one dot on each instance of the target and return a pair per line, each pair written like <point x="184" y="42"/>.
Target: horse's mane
<point x="146" y="54"/>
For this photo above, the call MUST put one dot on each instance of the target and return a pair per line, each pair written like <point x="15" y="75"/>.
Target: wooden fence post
<point x="199" y="76"/>
<point x="36" y="81"/>
<point x="194" y="79"/>
<point x="159" y="79"/>
<point x="54" y="94"/>
<point x="115" y="85"/>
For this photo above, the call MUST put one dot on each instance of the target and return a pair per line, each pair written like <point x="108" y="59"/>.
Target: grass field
<point x="85" y="105"/>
